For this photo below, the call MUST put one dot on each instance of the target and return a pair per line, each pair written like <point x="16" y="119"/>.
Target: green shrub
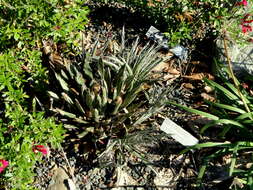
<point x="25" y="23"/>
<point x="20" y="127"/>
<point x="182" y="20"/>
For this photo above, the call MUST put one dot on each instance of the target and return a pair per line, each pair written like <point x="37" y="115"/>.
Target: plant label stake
<point x="155" y="35"/>
<point x="178" y="133"/>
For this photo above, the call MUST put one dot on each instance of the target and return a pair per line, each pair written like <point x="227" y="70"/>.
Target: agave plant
<point x="102" y="94"/>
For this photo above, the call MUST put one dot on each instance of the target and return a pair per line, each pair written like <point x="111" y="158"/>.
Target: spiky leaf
<point x="53" y="95"/>
<point x="90" y="96"/>
<point x="79" y="106"/>
<point x="62" y="82"/>
<point x="64" y="113"/>
<point x="67" y="98"/>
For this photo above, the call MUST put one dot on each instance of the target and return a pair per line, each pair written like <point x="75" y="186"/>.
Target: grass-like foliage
<point x="232" y="115"/>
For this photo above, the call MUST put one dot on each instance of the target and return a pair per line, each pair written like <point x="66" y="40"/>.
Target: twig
<point x="70" y="168"/>
<point x="230" y="67"/>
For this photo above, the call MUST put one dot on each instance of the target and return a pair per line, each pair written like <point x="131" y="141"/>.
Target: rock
<point x="180" y="51"/>
<point x="58" y="186"/>
<point x="61" y="181"/>
<point x="158" y="37"/>
<point x="124" y="179"/>
<point x="241" y="56"/>
<point x="164" y="180"/>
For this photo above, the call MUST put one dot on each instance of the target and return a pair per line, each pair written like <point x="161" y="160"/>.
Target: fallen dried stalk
<point x="230" y="67"/>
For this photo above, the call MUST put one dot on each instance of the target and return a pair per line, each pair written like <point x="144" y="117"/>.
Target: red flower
<point x="57" y="27"/>
<point x="246" y="28"/>
<point x="246" y="17"/>
<point x="3" y="164"/>
<point x="246" y="24"/>
<point x="40" y="148"/>
<point x="247" y="21"/>
<point x="243" y="2"/>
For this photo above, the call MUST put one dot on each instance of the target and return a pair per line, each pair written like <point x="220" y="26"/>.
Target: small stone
<point x="61" y="181"/>
<point x="249" y="165"/>
<point x="208" y="89"/>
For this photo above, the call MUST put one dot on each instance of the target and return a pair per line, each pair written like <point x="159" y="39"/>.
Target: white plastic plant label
<point x="178" y="133"/>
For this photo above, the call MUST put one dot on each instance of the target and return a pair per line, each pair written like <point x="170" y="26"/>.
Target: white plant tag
<point x="178" y="133"/>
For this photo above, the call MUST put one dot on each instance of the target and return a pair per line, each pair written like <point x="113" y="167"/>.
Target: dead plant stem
<point x="230" y="67"/>
<point x="71" y="171"/>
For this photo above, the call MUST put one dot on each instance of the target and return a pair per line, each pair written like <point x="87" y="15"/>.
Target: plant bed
<point x="91" y="172"/>
<point x="111" y="96"/>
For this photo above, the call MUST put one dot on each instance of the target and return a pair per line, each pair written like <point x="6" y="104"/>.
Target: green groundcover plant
<point x="23" y="130"/>
<point x="25" y="133"/>
<point x="25" y="24"/>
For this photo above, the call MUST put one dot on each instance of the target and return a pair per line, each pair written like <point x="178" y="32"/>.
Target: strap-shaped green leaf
<point x="227" y="107"/>
<point x="86" y="132"/>
<point x="224" y="121"/>
<point x="67" y="98"/>
<point x="53" y="95"/>
<point x="64" y="113"/>
<point x="79" y="79"/>
<point x="229" y="94"/>
<point x="89" y="98"/>
<point x="95" y="114"/>
<point x="104" y="90"/>
<point x="62" y="82"/>
<point x="120" y="79"/>
<point x="87" y="70"/>
<point x="64" y="75"/>
<point x="80" y="120"/>
<point x="69" y="68"/>
<point x="195" y="111"/>
<point x="79" y="106"/>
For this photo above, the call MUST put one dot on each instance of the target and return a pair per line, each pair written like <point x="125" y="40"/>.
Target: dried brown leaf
<point x="161" y="67"/>
<point x="170" y="76"/>
<point x="199" y="76"/>
<point x="173" y="71"/>
<point x="188" y="86"/>
<point x="188" y="16"/>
